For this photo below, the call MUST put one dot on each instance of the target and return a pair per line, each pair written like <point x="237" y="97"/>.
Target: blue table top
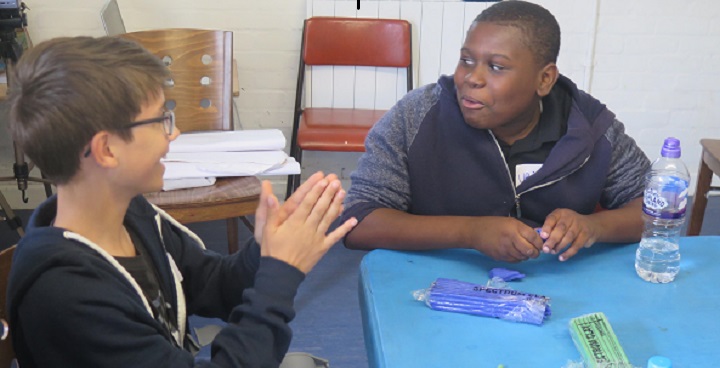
<point x="679" y="320"/>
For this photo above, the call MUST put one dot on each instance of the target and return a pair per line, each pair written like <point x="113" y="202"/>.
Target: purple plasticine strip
<point x="505" y="274"/>
<point x="539" y="231"/>
<point x="463" y="297"/>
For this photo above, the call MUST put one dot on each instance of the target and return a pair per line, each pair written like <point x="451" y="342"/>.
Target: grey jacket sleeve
<point x="628" y="166"/>
<point x="381" y="179"/>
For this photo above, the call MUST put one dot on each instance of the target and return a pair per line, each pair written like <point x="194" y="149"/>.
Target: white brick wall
<point x="656" y="63"/>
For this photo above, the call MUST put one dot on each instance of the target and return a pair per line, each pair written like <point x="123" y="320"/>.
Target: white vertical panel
<point x="388" y="9"/>
<point x="320" y="76"/>
<point x="391" y="10"/>
<point x="343" y="87"/>
<point x="452" y="30"/>
<point x="344" y="76"/>
<point x="430" y="42"/>
<point x="472" y="10"/>
<point x="345" y="8"/>
<point x="386" y="93"/>
<point x="321" y="7"/>
<point x="412" y="12"/>
<point x="365" y="75"/>
<point x="368" y="9"/>
<point x="321" y="86"/>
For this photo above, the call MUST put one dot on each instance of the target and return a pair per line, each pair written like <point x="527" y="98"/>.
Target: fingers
<point x="309" y="201"/>
<point x="340" y="231"/>
<point x="570" y="230"/>
<point x="527" y="244"/>
<point x="570" y="252"/>
<point x="262" y="209"/>
<point x="299" y="194"/>
<point x="333" y="211"/>
<point x="582" y="241"/>
<point x="555" y="239"/>
<point x="326" y="204"/>
<point x="272" y="218"/>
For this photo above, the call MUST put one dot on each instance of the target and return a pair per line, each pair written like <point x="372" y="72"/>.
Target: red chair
<point x="328" y="41"/>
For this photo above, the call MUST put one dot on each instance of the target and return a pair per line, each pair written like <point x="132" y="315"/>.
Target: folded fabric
<point x="174" y="184"/>
<point x="464" y="297"/>
<point x="229" y="141"/>
<point x="206" y="164"/>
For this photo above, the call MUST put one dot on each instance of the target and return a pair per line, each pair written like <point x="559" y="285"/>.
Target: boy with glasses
<point x="105" y="279"/>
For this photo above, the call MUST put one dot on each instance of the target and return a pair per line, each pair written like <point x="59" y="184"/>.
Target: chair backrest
<point x="357" y="41"/>
<point x="360" y="42"/>
<point x="200" y="89"/>
<point x="6" y="350"/>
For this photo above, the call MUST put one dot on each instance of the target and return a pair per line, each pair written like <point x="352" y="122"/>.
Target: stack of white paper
<point x="196" y="159"/>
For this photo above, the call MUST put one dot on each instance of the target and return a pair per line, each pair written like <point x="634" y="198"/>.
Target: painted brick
<point x="657" y="63"/>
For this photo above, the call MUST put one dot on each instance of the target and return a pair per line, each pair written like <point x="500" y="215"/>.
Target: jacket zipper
<point x="518" y="211"/>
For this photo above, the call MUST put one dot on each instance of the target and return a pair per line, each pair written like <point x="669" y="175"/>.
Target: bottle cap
<point x="671" y="148"/>
<point x="659" y="362"/>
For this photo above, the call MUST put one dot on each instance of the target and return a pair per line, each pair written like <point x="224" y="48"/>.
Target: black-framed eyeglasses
<point x="167" y="118"/>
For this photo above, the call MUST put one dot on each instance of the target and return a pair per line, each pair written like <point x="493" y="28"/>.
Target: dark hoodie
<point x="422" y="158"/>
<point x="71" y="304"/>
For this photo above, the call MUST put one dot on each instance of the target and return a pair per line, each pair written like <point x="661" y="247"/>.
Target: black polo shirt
<point x="536" y="146"/>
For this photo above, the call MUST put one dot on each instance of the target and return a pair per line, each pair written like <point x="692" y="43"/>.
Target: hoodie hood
<point x="46" y="247"/>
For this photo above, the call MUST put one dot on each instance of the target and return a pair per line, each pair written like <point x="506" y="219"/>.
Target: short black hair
<point x="540" y="28"/>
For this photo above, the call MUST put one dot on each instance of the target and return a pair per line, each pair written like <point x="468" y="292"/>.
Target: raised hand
<point x="297" y="232"/>
<point x="290" y="204"/>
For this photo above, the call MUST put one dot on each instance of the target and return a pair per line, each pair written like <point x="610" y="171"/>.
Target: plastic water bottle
<point x="666" y="188"/>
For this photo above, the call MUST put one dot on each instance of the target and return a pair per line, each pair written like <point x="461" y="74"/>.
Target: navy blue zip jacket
<point x="71" y="304"/>
<point x="422" y="158"/>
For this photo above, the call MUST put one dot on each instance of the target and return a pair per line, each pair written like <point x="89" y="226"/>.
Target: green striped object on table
<point x="594" y="338"/>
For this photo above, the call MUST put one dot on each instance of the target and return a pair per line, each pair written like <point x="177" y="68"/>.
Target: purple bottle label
<point x="670" y="203"/>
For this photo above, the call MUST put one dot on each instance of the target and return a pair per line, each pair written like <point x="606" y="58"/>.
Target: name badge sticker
<point x="523" y="171"/>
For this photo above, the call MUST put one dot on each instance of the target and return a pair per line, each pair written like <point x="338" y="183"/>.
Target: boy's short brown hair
<point x="65" y="90"/>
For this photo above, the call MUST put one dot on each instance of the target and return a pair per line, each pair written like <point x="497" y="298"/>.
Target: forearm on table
<point x="621" y="225"/>
<point x="394" y="229"/>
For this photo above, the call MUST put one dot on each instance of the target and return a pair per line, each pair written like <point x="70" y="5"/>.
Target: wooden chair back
<point x="200" y="94"/>
<point x="200" y="89"/>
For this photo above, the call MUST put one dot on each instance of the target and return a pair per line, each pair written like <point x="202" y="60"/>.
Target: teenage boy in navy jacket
<point x="105" y="279"/>
<point x="506" y="145"/>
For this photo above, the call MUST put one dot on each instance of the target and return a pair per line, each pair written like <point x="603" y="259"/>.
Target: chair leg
<point x="48" y="186"/>
<point x="13" y="220"/>
<point x="294" y="180"/>
<point x="700" y="199"/>
<point x="232" y="234"/>
<point x="248" y="224"/>
<point x="290" y="186"/>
